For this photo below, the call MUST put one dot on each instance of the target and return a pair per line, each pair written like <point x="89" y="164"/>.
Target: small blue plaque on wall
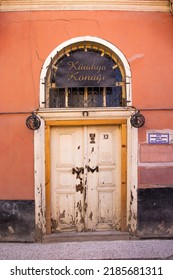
<point x="158" y="138"/>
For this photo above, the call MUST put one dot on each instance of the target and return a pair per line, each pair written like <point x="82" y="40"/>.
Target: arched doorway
<point x="88" y="61"/>
<point x="84" y="100"/>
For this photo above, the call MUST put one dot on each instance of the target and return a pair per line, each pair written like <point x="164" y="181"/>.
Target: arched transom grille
<point x="85" y="75"/>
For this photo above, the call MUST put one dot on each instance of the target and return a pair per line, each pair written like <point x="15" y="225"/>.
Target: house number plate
<point x="105" y="136"/>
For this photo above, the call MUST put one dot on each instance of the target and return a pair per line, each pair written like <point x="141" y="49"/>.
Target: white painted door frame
<point x="94" y="116"/>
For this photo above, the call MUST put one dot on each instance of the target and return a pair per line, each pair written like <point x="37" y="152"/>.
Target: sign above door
<point x="87" y="69"/>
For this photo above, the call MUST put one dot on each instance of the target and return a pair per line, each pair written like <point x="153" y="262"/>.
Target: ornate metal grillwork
<point x="86" y="97"/>
<point x="33" y="122"/>
<point x="137" y="120"/>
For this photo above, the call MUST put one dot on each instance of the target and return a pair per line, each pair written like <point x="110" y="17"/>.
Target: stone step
<point x="85" y="236"/>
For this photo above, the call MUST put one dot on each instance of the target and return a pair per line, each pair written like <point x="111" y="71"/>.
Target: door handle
<point x="89" y="169"/>
<point x="78" y="170"/>
<point x="79" y="187"/>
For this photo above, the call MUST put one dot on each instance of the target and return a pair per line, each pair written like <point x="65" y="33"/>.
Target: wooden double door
<point x="85" y="178"/>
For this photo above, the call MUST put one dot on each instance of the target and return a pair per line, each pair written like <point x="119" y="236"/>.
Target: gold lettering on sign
<point x="80" y="67"/>
<point x="77" y="77"/>
<point x="76" y="72"/>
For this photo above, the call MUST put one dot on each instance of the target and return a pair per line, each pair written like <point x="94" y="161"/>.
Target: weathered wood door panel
<point x="85" y="178"/>
<point x="104" y="184"/>
<point x="66" y="202"/>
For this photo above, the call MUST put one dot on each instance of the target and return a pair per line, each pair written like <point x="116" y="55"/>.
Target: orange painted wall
<point x="16" y="164"/>
<point x="27" y="38"/>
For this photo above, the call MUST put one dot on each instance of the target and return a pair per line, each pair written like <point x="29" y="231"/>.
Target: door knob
<point x="89" y="169"/>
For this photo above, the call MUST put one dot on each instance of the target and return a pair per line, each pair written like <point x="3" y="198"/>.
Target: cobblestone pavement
<point x="98" y="250"/>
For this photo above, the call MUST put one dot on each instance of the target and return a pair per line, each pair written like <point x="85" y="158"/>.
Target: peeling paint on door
<point x="85" y="178"/>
